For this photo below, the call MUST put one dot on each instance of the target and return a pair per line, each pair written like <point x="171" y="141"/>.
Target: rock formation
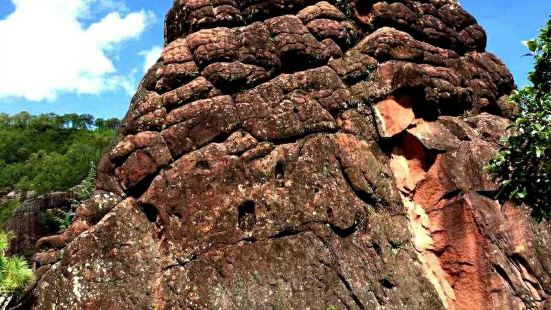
<point x="29" y="222"/>
<point x="304" y="155"/>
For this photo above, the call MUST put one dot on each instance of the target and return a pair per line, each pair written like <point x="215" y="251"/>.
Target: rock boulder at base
<point x="306" y="155"/>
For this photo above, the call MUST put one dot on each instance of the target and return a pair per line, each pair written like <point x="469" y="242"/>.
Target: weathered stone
<point x="393" y="116"/>
<point x="122" y="264"/>
<point x="27" y="222"/>
<point x="301" y="155"/>
<point x="434" y="136"/>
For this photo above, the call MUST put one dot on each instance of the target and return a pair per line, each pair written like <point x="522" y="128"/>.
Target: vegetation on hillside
<point x="6" y="210"/>
<point x="50" y="152"/>
<point x="523" y="166"/>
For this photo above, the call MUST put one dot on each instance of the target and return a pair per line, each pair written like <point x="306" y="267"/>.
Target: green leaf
<point x="15" y="274"/>
<point x="532" y="46"/>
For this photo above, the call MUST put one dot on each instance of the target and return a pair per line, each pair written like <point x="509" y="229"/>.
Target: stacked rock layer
<point x="295" y="154"/>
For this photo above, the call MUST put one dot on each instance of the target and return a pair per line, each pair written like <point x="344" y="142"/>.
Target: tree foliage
<point x="523" y="166"/>
<point x="48" y="151"/>
<point x="7" y="209"/>
<point x="15" y="274"/>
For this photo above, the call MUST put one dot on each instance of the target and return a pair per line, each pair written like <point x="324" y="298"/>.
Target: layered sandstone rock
<point x="29" y="222"/>
<point x="300" y="155"/>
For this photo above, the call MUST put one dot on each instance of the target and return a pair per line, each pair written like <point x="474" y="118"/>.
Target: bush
<point x="523" y="166"/>
<point x="86" y="188"/>
<point x="15" y="274"/>
<point x="49" y="222"/>
<point x="6" y="210"/>
<point x="53" y="222"/>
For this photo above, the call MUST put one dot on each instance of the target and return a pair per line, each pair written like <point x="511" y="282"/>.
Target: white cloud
<point x="524" y="43"/>
<point x="45" y="50"/>
<point x="151" y="56"/>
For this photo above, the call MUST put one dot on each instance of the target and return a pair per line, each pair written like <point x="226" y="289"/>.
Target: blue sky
<point x="100" y="77"/>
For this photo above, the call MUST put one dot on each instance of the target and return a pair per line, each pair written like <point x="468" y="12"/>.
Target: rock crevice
<point x="306" y="154"/>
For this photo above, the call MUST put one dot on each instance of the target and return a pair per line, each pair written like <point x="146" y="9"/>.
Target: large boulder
<point x="306" y="155"/>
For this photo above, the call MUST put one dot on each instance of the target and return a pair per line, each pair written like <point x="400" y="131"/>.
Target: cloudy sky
<point x="87" y="56"/>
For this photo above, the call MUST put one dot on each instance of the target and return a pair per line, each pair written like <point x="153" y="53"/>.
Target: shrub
<point x="15" y="274"/>
<point x="86" y="188"/>
<point x="49" y="222"/>
<point x="523" y="166"/>
<point x="6" y="210"/>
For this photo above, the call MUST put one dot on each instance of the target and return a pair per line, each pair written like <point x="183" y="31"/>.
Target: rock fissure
<point x="341" y="276"/>
<point x="349" y="288"/>
<point x="300" y="154"/>
<point x="452" y="263"/>
<point x="362" y="195"/>
<point x="307" y="227"/>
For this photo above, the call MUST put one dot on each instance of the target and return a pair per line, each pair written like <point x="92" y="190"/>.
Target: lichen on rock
<point x="299" y="155"/>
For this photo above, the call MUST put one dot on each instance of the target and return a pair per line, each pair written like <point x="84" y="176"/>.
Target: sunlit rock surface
<point x="300" y="155"/>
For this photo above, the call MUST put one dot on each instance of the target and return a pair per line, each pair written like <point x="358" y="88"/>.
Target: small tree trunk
<point x="4" y="301"/>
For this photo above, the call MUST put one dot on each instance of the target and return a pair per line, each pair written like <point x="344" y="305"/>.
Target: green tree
<point x="15" y="274"/>
<point x="4" y="120"/>
<point x="21" y="119"/>
<point x="86" y="121"/>
<point x="99" y="123"/>
<point x="523" y="166"/>
<point x="88" y="184"/>
<point x="112" y="123"/>
<point x="49" y="152"/>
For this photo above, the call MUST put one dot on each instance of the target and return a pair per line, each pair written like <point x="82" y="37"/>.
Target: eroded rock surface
<point x="28" y="222"/>
<point x="301" y="155"/>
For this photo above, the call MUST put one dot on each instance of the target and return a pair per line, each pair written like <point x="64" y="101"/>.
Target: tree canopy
<point x="48" y="151"/>
<point x="523" y="166"/>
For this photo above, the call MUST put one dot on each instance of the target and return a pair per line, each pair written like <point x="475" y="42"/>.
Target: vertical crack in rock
<point x="423" y="244"/>
<point x="349" y="288"/>
<point x="267" y="124"/>
<point x="341" y="276"/>
<point x="530" y="281"/>
<point x="280" y="174"/>
<point x="447" y="231"/>
<point x="411" y="164"/>
<point x="150" y="211"/>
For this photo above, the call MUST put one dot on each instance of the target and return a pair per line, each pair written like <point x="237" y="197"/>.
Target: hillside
<point x="50" y="152"/>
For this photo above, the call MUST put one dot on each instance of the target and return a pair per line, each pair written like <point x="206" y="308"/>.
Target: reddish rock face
<point x="393" y="116"/>
<point x="301" y="155"/>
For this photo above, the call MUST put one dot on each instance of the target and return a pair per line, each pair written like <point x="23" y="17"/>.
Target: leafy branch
<point x="523" y="165"/>
<point x="15" y="274"/>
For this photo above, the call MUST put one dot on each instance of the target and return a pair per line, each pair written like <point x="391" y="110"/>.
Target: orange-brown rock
<point x="393" y="116"/>
<point x="302" y="155"/>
